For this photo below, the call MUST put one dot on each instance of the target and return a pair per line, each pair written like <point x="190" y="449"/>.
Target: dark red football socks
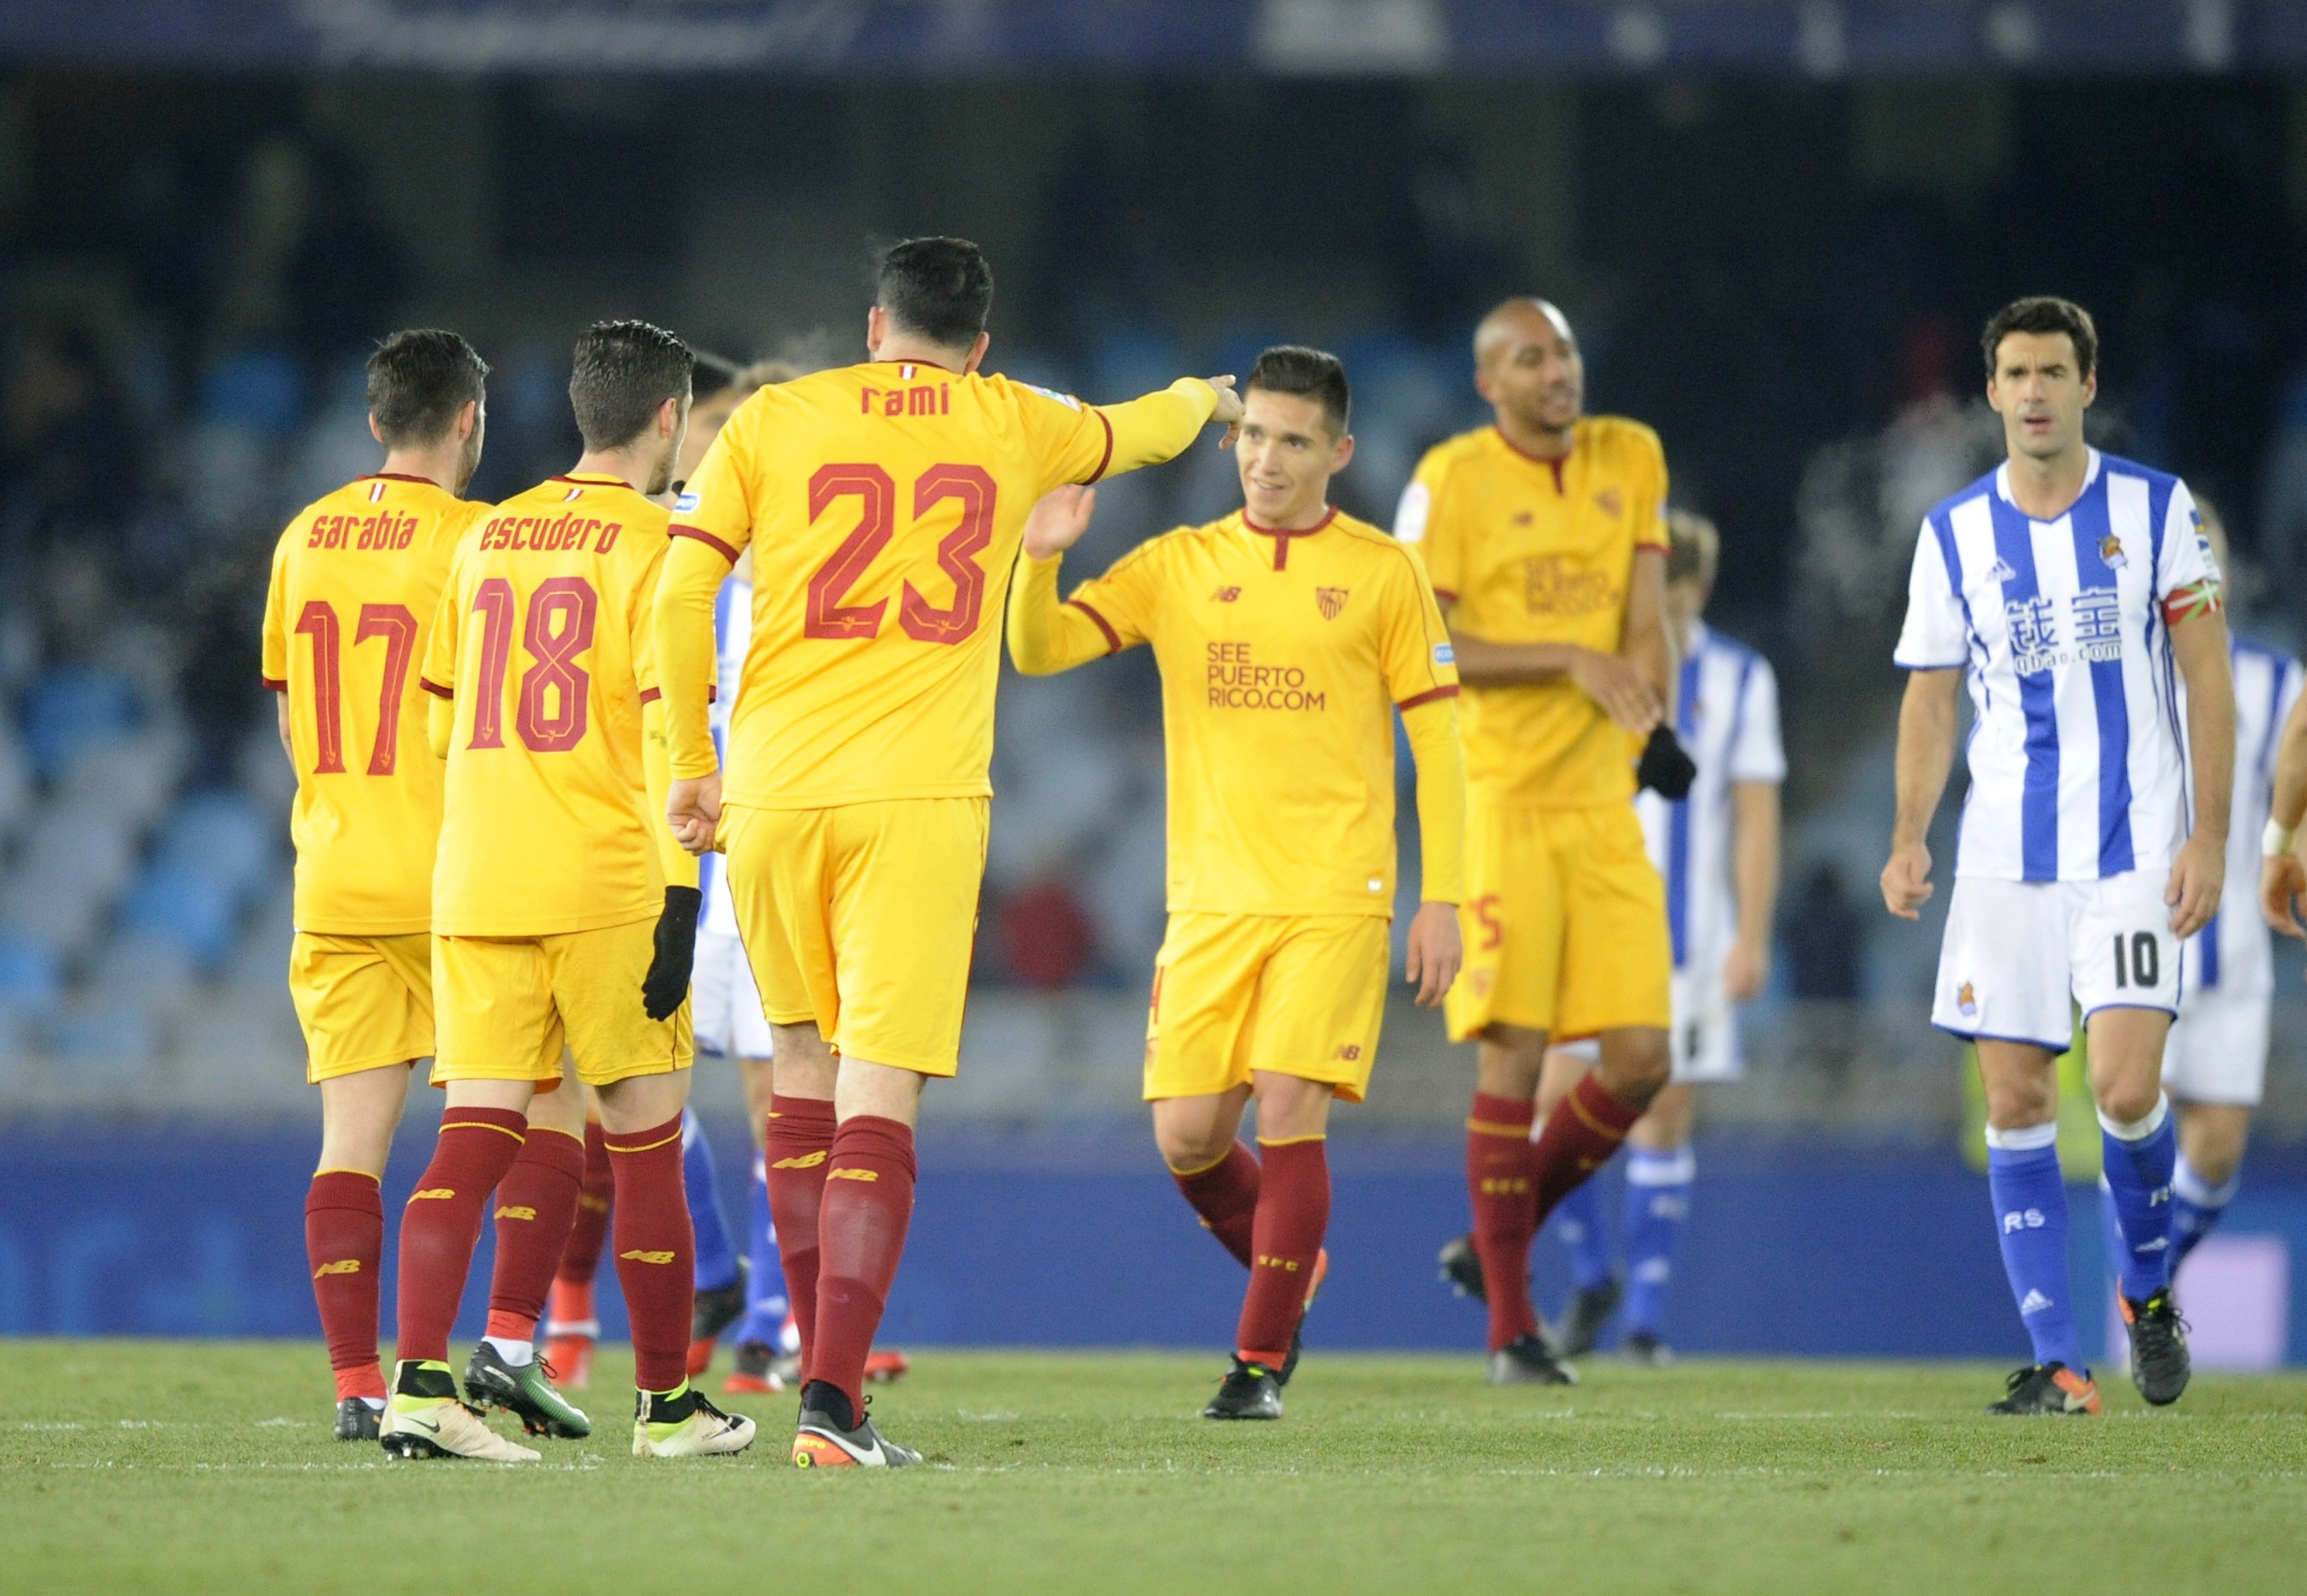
<point x="343" y="1242"/>
<point x="1582" y="1133"/>
<point x="1225" y="1195"/>
<point x="797" y="1143"/>
<point x="1293" y="1213"/>
<point x="860" y="1228"/>
<point x="441" y="1225"/>
<point x="1501" y="1174"/>
<point x="655" y="1252"/>
<point x="580" y="1260"/>
<point x="535" y="1208"/>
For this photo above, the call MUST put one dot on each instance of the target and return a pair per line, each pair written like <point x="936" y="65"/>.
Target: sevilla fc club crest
<point x="2110" y="550"/>
<point x="1966" y="999"/>
<point x="1330" y="601"/>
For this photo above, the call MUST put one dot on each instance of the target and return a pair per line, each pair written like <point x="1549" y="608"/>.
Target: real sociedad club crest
<point x="2110" y="550"/>
<point x="1330" y="601"/>
<point x="1967" y="1000"/>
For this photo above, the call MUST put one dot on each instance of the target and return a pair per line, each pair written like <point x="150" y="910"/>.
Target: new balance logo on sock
<point x="2022" y="1219"/>
<point x="640" y="1257"/>
<point x="513" y="1212"/>
<point x="2032" y="1303"/>
<point x="432" y="1193"/>
<point x="338" y="1266"/>
<point x="854" y="1175"/>
<point x="807" y="1161"/>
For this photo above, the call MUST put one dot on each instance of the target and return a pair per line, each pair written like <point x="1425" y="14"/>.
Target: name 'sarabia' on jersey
<point x="1726" y="716"/>
<point x="2076" y="764"/>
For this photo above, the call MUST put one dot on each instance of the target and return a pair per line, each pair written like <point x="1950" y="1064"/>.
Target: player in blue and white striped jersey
<point x="1717" y="851"/>
<point x="2215" y="1063"/>
<point x="2074" y="590"/>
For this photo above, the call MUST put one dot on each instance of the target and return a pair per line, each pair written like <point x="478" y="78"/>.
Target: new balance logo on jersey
<point x="2032" y="1303"/>
<point x="1225" y="595"/>
<point x="2023" y="1219"/>
<point x="1330" y="601"/>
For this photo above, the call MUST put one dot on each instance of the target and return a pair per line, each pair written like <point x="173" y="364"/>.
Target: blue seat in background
<point x="70" y="707"/>
<point x="31" y="980"/>
<point x="258" y="390"/>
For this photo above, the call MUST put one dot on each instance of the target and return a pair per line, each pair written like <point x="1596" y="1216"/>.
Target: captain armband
<point x="2200" y="597"/>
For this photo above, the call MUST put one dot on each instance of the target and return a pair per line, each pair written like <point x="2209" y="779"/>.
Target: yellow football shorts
<point x="861" y="918"/>
<point x="1565" y="924"/>
<point x="1300" y="995"/>
<point x="364" y="1001"/>
<point x="509" y="1005"/>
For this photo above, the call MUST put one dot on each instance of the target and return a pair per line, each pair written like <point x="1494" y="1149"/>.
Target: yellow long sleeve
<point x="1160" y="427"/>
<point x="439" y="723"/>
<point x="1045" y="636"/>
<point x="1433" y="728"/>
<point x="680" y="866"/>
<point x="685" y="656"/>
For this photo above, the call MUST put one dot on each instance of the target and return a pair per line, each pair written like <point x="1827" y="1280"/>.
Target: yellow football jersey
<point x="543" y="641"/>
<point x="356" y="578"/>
<point x="884" y="504"/>
<point x="1523" y="550"/>
<point x="1283" y="657"/>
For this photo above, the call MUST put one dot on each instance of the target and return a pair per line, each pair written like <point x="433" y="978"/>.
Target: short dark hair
<point x="623" y="371"/>
<point x="712" y="375"/>
<point x="1314" y="374"/>
<point x="936" y="288"/>
<point x="2043" y="313"/>
<point x="418" y="382"/>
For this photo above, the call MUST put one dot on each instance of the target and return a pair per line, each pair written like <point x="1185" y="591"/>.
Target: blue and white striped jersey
<point x="733" y="634"/>
<point x="1727" y="716"/>
<point x="2234" y="954"/>
<point x="2076" y="764"/>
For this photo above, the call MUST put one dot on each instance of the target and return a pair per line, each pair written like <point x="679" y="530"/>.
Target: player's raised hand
<point x="1906" y="880"/>
<point x="1229" y="409"/>
<point x="1745" y="972"/>
<point x="1435" y="952"/>
<point x="692" y="808"/>
<point x="2281" y="879"/>
<point x="1059" y="519"/>
<point x="1613" y="682"/>
<point x="2197" y="876"/>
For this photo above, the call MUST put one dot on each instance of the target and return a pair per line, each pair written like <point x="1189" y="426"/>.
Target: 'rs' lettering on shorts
<point x="364" y="1002"/>
<point x="1298" y="995"/>
<point x="1564" y="922"/>
<point x="507" y="1004"/>
<point x="859" y="918"/>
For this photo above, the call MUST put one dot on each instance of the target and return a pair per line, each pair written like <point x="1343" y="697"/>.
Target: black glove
<point x="1665" y="769"/>
<point x="666" y="984"/>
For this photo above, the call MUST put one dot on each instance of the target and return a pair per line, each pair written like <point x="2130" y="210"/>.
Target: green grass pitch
<point x="192" y="1466"/>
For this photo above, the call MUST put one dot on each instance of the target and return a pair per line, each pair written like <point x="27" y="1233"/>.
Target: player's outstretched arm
<point x="1161" y="426"/>
<point x="2199" y="643"/>
<point x="1435" y="951"/>
<point x="1045" y="636"/>
<point x="2283" y="877"/>
<point x="1926" y="731"/>
<point x="1754" y="827"/>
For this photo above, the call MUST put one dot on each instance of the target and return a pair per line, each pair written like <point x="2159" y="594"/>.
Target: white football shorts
<point x="2218" y="1050"/>
<point x="2017" y="952"/>
<point x="1705" y="1041"/>
<point x="725" y="1004"/>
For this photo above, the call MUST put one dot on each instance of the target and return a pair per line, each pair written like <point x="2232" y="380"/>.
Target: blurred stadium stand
<point x="1775" y="237"/>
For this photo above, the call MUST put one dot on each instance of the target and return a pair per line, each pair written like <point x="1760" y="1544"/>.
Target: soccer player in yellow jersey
<point x="883" y="503"/>
<point x="563" y="912"/>
<point x="355" y="580"/>
<point x="1545" y="538"/>
<point x="1287" y="635"/>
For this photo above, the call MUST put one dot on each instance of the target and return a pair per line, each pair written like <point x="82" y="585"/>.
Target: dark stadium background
<point x="1776" y="225"/>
